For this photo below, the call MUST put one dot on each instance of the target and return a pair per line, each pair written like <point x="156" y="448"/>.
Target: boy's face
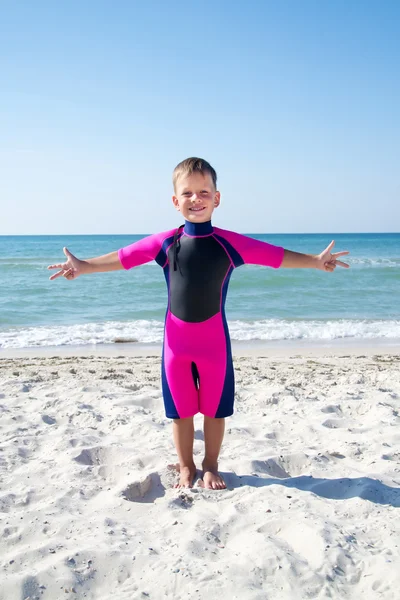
<point x="196" y="197"/>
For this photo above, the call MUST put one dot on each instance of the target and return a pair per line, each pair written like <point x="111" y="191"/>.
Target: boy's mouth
<point x="197" y="209"/>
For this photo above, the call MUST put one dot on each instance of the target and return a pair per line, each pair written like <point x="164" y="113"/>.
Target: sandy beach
<point x="311" y="459"/>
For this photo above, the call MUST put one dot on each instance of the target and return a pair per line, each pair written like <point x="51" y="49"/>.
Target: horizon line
<point x="245" y="233"/>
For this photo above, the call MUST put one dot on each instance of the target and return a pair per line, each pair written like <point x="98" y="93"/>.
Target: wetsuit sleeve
<point x="248" y="251"/>
<point x="140" y="252"/>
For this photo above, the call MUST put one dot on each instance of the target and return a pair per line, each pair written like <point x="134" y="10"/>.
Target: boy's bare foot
<point x="212" y="480"/>
<point x="187" y="475"/>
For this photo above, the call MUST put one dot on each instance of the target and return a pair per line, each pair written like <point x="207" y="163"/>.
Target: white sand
<point x="311" y="458"/>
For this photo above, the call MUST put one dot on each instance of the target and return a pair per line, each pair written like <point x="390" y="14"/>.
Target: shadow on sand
<point x="335" y="489"/>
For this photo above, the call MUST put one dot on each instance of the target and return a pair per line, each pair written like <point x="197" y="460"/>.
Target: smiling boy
<point x="197" y="260"/>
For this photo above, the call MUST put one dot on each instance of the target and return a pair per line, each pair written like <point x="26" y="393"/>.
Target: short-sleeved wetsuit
<point x="197" y="369"/>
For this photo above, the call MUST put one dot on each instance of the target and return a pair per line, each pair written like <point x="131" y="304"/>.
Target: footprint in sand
<point x="137" y="490"/>
<point x="114" y="464"/>
<point x="286" y="465"/>
<point x="270" y="467"/>
<point x="100" y="455"/>
<point x="147" y="489"/>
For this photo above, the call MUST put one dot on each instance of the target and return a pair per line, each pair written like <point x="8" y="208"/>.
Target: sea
<point x="264" y="305"/>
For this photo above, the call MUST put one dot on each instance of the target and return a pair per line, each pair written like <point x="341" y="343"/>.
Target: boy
<point x="197" y="260"/>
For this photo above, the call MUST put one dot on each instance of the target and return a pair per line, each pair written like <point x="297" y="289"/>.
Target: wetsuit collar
<point x="197" y="229"/>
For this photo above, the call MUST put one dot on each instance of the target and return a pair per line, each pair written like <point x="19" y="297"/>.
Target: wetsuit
<point x="198" y="260"/>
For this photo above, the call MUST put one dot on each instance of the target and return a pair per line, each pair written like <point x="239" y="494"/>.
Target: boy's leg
<point x="183" y="430"/>
<point x="213" y="435"/>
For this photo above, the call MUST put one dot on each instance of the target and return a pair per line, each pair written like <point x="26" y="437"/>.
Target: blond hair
<point x="193" y="165"/>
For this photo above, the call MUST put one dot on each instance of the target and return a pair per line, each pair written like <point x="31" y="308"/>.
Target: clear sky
<point x="295" y="104"/>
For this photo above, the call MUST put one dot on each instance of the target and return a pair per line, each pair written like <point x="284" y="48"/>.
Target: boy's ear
<point x="217" y="199"/>
<point x="175" y="202"/>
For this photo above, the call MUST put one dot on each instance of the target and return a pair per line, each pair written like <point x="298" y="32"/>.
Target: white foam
<point x="145" y="331"/>
<point x="375" y="263"/>
<point x="277" y="329"/>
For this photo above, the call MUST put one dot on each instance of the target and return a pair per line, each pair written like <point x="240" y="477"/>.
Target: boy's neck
<point x="198" y="229"/>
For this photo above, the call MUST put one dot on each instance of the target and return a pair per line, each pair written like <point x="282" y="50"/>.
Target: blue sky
<point x="295" y="104"/>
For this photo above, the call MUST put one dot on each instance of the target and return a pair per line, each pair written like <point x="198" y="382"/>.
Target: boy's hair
<point x="193" y="165"/>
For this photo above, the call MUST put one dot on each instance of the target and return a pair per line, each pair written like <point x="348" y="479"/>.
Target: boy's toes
<point x="186" y="477"/>
<point x="212" y="480"/>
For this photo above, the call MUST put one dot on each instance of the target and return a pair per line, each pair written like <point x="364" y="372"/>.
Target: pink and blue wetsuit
<point x="197" y="369"/>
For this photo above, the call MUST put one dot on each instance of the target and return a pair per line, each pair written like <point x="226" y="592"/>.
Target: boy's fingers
<point x="330" y="266"/>
<point x="330" y="245"/>
<point x="56" y="275"/>
<point x="67" y="252"/>
<point x="60" y="266"/>
<point x="341" y="253"/>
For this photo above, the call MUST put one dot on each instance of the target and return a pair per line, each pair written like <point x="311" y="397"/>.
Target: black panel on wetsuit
<point x="195" y="286"/>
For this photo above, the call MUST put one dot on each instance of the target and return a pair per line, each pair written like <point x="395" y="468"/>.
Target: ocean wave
<point x="373" y="263"/>
<point x="315" y="330"/>
<point x="144" y="331"/>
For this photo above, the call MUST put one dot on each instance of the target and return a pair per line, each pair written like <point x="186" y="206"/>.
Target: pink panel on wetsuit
<point x="144" y="250"/>
<point x="204" y="344"/>
<point x="253" y="252"/>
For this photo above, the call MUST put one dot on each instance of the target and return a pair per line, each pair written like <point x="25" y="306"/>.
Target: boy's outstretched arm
<point x="326" y="261"/>
<point x="73" y="266"/>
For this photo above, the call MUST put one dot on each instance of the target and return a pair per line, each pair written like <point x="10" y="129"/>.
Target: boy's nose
<point x="194" y="197"/>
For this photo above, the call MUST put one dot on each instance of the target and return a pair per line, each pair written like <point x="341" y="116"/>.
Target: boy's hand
<point x="326" y="261"/>
<point x="71" y="269"/>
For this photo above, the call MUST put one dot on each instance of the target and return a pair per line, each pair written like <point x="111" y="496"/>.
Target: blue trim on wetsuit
<point x="162" y="255"/>
<point x="234" y="254"/>
<point x="160" y="258"/>
<point x="198" y="228"/>
<point x="225" y="407"/>
<point x="170" y="408"/>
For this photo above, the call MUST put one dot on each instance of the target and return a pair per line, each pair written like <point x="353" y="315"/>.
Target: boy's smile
<point x="195" y="197"/>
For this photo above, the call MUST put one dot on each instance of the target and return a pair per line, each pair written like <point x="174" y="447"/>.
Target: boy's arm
<point x="326" y="261"/>
<point x="297" y="260"/>
<point x="130" y="256"/>
<point x="101" y="264"/>
<point x="73" y="266"/>
<point x="250" y="251"/>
